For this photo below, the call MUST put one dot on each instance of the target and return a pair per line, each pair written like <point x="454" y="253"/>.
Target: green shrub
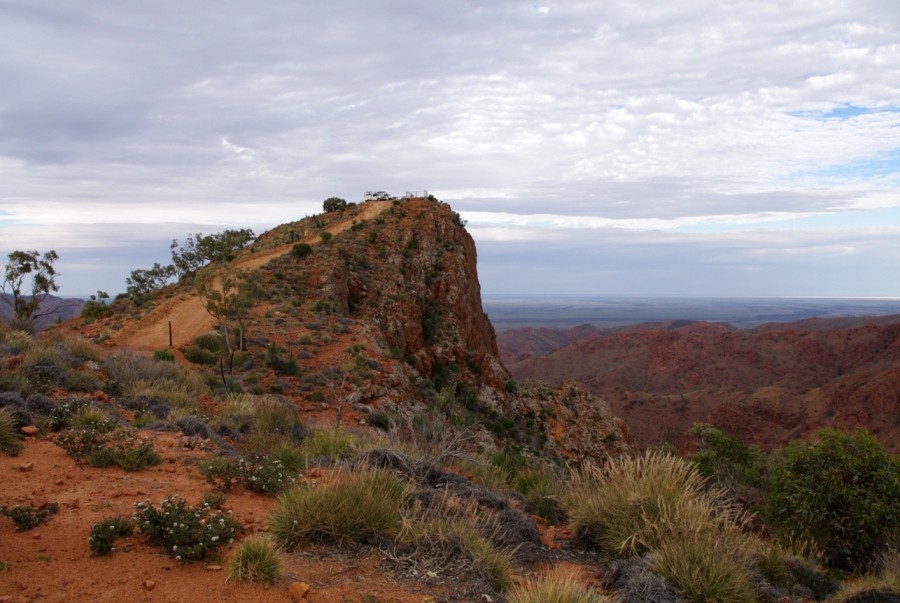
<point x="354" y="506"/>
<point x="301" y="250"/>
<point x="27" y="518"/>
<point x="380" y="420"/>
<point x="105" y="533"/>
<point x="255" y="560"/>
<point x="211" y="342"/>
<point x="184" y="532"/>
<point x="100" y="448"/>
<point x="198" y="355"/>
<point x="163" y="356"/>
<point x="9" y="439"/>
<point x="558" y="586"/>
<point x="725" y="459"/>
<point x="840" y="492"/>
<point x="334" y="444"/>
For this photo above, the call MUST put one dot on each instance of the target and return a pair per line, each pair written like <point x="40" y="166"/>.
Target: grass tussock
<point x="9" y="439"/>
<point x="138" y="376"/>
<point x="635" y="504"/>
<point x="14" y="341"/>
<point x="884" y="582"/>
<point x="705" y="570"/>
<point x="558" y="586"/>
<point x="255" y="560"/>
<point x="449" y="533"/>
<point x="354" y="506"/>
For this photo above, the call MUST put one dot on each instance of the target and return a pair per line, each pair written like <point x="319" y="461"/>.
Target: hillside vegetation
<point x="338" y="427"/>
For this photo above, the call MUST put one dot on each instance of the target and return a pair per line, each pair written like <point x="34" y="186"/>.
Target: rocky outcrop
<point x="413" y="273"/>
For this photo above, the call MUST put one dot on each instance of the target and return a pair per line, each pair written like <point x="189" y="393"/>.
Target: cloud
<point x="531" y="119"/>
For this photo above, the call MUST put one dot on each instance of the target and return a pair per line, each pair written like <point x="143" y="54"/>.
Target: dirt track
<point x="186" y="313"/>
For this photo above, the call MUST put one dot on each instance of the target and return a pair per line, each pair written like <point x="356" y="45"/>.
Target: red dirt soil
<point x="53" y="561"/>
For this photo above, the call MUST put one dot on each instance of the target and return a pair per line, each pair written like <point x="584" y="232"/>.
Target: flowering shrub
<point x="184" y="532"/>
<point x="103" y="449"/>
<point x="262" y="474"/>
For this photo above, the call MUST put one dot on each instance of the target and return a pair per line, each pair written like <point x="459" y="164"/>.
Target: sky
<point x="595" y="148"/>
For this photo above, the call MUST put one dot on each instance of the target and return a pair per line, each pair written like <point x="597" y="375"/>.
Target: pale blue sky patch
<point x="865" y="169"/>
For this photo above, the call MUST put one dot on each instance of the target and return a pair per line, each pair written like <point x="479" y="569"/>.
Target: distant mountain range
<point x="58" y="309"/>
<point x="769" y="384"/>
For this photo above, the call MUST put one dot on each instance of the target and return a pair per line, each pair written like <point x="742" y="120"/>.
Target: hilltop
<point x="384" y="312"/>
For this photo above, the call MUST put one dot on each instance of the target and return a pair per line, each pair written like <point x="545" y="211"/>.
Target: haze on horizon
<point x="616" y="148"/>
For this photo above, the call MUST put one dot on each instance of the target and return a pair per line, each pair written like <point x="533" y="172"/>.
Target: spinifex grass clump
<point x="27" y="518"/>
<point x="656" y="502"/>
<point x="361" y="505"/>
<point x="634" y="504"/>
<point x="559" y="586"/>
<point x="9" y="440"/>
<point x="255" y="560"/>
<point x="184" y="532"/>
<point x="434" y="543"/>
<point x="704" y="568"/>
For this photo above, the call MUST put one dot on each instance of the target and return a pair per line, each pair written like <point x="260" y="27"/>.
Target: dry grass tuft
<point x="354" y="506"/>
<point x="558" y="586"/>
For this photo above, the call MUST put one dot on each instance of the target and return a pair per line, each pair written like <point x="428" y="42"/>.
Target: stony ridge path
<point x="186" y="313"/>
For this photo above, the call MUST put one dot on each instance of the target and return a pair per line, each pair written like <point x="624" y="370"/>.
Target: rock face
<point x="768" y="385"/>
<point x="417" y="280"/>
<point x="411" y="275"/>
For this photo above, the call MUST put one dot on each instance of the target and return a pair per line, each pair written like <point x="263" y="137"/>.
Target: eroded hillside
<point x="768" y="385"/>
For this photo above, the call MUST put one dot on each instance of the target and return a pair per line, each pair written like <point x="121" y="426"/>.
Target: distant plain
<point x="514" y="312"/>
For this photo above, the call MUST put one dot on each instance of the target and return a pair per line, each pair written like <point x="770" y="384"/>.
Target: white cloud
<point x="532" y="119"/>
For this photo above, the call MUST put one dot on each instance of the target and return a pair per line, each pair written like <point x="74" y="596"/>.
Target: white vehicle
<point x="377" y="196"/>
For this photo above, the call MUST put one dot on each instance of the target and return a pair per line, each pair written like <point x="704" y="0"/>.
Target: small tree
<point x="227" y="296"/>
<point x="841" y="492"/>
<point x="28" y="278"/>
<point x="96" y="306"/>
<point x="334" y="204"/>
<point x="142" y="283"/>
<point x="200" y="249"/>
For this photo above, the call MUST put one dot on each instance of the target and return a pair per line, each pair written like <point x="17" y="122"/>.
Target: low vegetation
<point x="255" y="560"/>
<point x="841" y="492"/>
<point x="447" y="488"/>
<point x="361" y="506"/>
<point x="557" y="586"/>
<point x="184" y="532"/>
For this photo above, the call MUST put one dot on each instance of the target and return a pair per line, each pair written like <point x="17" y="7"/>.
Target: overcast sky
<point x="595" y="147"/>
